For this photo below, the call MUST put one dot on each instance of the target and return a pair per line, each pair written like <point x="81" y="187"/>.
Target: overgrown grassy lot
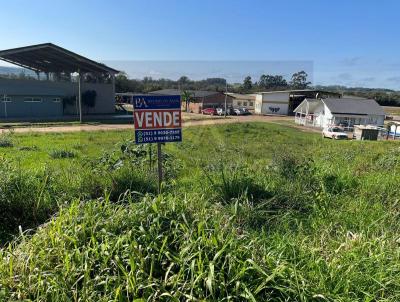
<point x="392" y="110"/>
<point x="256" y="211"/>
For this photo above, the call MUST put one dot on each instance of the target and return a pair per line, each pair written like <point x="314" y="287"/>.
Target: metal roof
<point x="353" y="106"/>
<point x="310" y="104"/>
<point x="48" y="57"/>
<point x="301" y="92"/>
<point x="347" y="106"/>
<point x="240" y="96"/>
<point x="195" y="93"/>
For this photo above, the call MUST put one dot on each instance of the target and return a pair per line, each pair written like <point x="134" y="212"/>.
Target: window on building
<point x="239" y="103"/>
<point x="33" y="100"/>
<point x="251" y="104"/>
<point x="245" y="104"/>
<point x="5" y="99"/>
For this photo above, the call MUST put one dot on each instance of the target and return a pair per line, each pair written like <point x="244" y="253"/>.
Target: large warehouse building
<point x="63" y="80"/>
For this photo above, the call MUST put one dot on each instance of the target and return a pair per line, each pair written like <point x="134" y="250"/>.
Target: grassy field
<point x="392" y="110"/>
<point x="257" y="211"/>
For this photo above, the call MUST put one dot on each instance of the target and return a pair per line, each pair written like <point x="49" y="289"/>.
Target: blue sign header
<point x="156" y="102"/>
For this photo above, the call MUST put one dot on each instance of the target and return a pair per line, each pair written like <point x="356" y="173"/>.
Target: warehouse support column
<point x="80" y="95"/>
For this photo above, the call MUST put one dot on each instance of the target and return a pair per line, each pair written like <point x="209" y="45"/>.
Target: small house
<point x="345" y="112"/>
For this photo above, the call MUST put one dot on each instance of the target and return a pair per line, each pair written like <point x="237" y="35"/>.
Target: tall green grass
<point x="249" y="212"/>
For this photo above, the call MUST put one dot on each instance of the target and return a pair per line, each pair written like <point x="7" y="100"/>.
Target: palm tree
<point x="187" y="97"/>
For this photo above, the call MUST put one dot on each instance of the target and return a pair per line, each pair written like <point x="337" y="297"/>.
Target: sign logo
<point x="157" y="119"/>
<point x="274" y="109"/>
<point x="140" y="103"/>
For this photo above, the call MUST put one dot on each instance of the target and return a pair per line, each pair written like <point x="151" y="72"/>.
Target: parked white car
<point x="221" y="111"/>
<point x="334" y="133"/>
<point x="237" y="111"/>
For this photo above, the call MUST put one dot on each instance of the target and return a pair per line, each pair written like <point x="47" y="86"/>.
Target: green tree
<point x="184" y="82"/>
<point x="247" y="84"/>
<point x="272" y="82"/>
<point x="299" y="80"/>
<point x="187" y="97"/>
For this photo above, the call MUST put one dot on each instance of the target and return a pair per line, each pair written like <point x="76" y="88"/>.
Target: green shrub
<point x="28" y="148"/>
<point x="6" y="140"/>
<point x="57" y="154"/>
<point x="234" y="180"/>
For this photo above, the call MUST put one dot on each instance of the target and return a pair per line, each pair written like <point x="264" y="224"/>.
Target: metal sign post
<point x="160" y="171"/>
<point x="157" y="119"/>
<point x="150" y="158"/>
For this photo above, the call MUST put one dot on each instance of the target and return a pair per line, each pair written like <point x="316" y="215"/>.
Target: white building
<point x="272" y="103"/>
<point x="344" y="111"/>
<point x="284" y="102"/>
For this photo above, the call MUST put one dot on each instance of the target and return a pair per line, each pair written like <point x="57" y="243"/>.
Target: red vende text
<point x="154" y="119"/>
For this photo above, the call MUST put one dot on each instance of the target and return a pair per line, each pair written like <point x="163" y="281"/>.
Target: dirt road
<point x="286" y="120"/>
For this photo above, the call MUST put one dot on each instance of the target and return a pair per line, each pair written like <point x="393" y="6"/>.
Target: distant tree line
<point x="147" y="84"/>
<point x="265" y="82"/>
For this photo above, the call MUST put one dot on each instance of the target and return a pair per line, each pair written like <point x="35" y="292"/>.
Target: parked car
<point x="209" y="111"/>
<point x="245" y="111"/>
<point x="334" y="133"/>
<point x="237" y="111"/>
<point x="221" y="111"/>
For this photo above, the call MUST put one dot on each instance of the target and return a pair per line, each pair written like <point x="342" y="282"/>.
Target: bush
<point x="57" y="154"/>
<point x="28" y="148"/>
<point x="6" y="140"/>
<point x="234" y="180"/>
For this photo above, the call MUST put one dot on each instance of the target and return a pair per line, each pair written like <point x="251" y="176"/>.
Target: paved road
<point x="189" y="123"/>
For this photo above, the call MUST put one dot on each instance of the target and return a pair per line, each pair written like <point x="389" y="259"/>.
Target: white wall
<point x="274" y="103"/>
<point x="258" y="104"/>
<point x="275" y="108"/>
<point x="324" y="116"/>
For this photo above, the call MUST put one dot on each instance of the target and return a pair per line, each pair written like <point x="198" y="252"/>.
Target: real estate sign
<point x="157" y="119"/>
